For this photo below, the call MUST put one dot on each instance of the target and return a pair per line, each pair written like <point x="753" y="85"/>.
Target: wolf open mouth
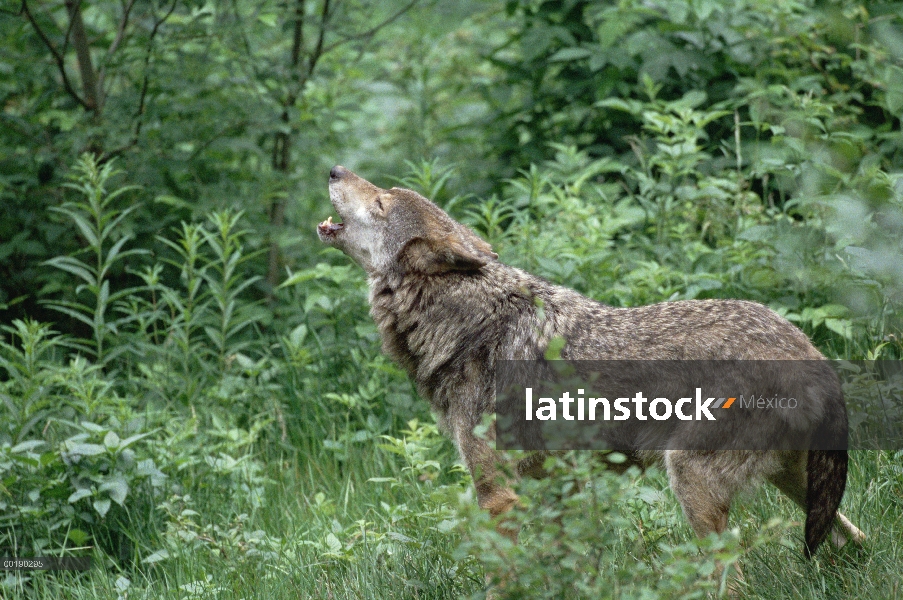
<point x="329" y="229"/>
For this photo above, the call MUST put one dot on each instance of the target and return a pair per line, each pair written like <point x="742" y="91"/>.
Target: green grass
<point x="407" y="556"/>
<point x="873" y="502"/>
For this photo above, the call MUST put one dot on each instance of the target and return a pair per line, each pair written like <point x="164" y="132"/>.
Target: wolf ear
<point x="451" y="252"/>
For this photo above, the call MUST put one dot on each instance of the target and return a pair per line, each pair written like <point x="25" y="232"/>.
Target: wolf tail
<point x="826" y="473"/>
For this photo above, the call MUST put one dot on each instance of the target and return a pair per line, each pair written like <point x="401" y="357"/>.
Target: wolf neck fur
<point x="429" y="324"/>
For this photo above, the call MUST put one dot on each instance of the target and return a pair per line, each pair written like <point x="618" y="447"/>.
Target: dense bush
<point x="764" y="62"/>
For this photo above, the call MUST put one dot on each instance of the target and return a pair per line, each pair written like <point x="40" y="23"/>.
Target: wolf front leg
<point x="494" y="492"/>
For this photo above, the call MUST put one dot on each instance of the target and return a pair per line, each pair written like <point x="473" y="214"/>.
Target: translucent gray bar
<point x="635" y="406"/>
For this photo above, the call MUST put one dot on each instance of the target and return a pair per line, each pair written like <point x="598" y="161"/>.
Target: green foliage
<point x="70" y="447"/>
<point x="576" y="527"/>
<point x="97" y="221"/>
<point x="82" y="440"/>
<point x="667" y="226"/>
<point x="191" y="389"/>
<point x="771" y="61"/>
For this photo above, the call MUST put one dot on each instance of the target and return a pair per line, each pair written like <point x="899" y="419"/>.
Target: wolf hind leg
<point x="705" y="490"/>
<point x="842" y="523"/>
<point x="791" y="480"/>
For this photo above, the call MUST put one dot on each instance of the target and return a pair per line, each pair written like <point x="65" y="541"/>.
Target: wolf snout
<point x="337" y="172"/>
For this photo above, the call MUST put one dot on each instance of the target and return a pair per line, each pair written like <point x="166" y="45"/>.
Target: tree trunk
<point x="282" y="147"/>
<point x="281" y="162"/>
<point x="83" y="53"/>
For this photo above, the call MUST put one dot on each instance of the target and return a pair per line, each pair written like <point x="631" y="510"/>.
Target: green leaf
<point x="268" y="19"/>
<point x="78" y="537"/>
<point x="632" y="107"/>
<point x="156" y="557"/>
<point x="842" y="327"/>
<point x="117" y="489"/>
<point x="118" y="192"/>
<point x="72" y="309"/>
<point x="893" y="76"/>
<point x="692" y="99"/>
<point x="25" y="460"/>
<point x="86" y="449"/>
<point x="447" y="525"/>
<point x="833" y="310"/>
<point x="111" y="440"/>
<point x="74" y="266"/>
<point x="296" y="337"/>
<point x="26" y="446"/>
<point x="102" y="506"/>
<point x="172" y="201"/>
<point x="615" y="458"/>
<point x="568" y="54"/>
<point x="321" y="271"/>
<point x="132" y="439"/>
<point x="79" y="494"/>
<point x="102" y="301"/>
<point x="553" y="350"/>
<point x="79" y="219"/>
<point x="114" y="251"/>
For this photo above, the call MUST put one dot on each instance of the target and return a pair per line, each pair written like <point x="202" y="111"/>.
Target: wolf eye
<point x="379" y="204"/>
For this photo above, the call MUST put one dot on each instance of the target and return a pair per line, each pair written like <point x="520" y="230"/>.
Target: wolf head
<point x="397" y="230"/>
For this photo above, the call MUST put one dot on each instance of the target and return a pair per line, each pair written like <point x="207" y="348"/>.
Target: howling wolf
<point x="448" y="312"/>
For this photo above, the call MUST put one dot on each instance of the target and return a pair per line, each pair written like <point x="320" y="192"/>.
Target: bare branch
<point x="318" y="48"/>
<point x="373" y="30"/>
<point x="57" y="57"/>
<point x="282" y="140"/>
<point x="298" y="38"/>
<point x="294" y="61"/>
<point x="66" y="37"/>
<point x="145" y="83"/>
<point x="83" y="54"/>
<point x="120" y="35"/>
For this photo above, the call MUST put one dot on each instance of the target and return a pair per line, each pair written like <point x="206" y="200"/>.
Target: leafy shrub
<point x="89" y="443"/>
<point x="590" y="533"/>
<point x="71" y="449"/>
<point x="668" y="226"/>
<point x="773" y="62"/>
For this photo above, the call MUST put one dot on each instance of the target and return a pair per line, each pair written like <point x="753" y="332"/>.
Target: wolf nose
<point x="337" y="172"/>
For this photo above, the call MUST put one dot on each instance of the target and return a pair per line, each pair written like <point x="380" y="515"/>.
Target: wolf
<point x="448" y="312"/>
